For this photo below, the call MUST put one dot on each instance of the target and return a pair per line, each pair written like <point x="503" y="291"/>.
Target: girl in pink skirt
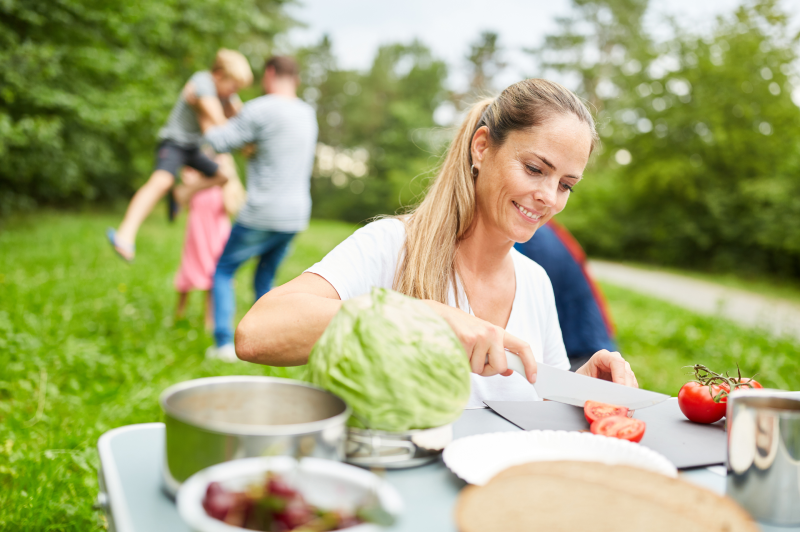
<point x="207" y="231"/>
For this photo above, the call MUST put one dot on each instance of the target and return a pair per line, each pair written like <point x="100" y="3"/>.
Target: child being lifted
<point x="208" y="99"/>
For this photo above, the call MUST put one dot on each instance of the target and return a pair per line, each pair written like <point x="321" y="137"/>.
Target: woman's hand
<point x="485" y="343"/>
<point x="609" y="366"/>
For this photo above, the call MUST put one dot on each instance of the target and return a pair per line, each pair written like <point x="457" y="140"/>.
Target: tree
<point x="85" y="86"/>
<point x="700" y="145"/>
<point x="485" y="64"/>
<point x="385" y="113"/>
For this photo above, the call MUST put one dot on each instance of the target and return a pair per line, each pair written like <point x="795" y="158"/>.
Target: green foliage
<point x="701" y="140"/>
<point x="387" y="111"/>
<point x="85" y="86"/>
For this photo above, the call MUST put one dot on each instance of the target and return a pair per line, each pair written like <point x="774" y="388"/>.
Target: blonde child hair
<point x="234" y="65"/>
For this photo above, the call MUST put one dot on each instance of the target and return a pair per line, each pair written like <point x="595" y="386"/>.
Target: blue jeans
<point x="243" y="244"/>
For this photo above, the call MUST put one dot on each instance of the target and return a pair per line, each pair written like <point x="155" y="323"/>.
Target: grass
<point x="88" y="343"/>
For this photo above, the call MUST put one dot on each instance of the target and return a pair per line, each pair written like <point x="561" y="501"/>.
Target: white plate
<point x="478" y="458"/>
<point x="325" y="484"/>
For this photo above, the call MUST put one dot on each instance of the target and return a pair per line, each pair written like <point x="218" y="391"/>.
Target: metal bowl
<point x="381" y="449"/>
<point x="212" y="420"/>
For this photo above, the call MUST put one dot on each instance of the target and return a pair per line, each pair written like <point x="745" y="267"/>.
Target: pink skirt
<point x="207" y="231"/>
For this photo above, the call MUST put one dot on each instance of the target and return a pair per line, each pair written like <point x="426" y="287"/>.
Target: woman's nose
<point x="547" y="193"/>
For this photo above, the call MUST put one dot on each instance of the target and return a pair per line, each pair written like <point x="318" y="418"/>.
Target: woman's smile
<point x="527" y="213"/>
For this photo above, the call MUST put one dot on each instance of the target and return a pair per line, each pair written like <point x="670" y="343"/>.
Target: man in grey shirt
<point x="283" y="129"/>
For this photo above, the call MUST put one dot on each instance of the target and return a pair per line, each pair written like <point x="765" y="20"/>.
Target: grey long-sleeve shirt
<point x="284" y="131"/>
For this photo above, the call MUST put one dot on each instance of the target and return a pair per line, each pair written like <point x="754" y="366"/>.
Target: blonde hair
<point x="445" y="215"/>
<point x="234" y="65"/>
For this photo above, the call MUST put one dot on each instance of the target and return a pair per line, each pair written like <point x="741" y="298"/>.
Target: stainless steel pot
<point x="764" y="454"/>
<point x="212" y="420"/>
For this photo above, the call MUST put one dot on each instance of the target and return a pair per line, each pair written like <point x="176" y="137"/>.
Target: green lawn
<point x="88" y="343"/>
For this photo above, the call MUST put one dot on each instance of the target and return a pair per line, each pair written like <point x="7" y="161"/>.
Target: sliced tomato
<point x="621" y="427"/>
<point x="697" y="402"/>
<point x="594" y="411"/>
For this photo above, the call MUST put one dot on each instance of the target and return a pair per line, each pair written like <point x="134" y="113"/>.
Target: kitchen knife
<point x="575" y="389"/>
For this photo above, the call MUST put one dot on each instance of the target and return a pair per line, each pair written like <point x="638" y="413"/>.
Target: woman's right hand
<point x="485" y="343"/>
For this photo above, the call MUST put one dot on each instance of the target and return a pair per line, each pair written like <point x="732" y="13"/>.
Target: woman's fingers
<point x="478" y="358"/>
<point x="523" y="350"/>
<point x="496" y="358"/>
<point x="610" y="366"/>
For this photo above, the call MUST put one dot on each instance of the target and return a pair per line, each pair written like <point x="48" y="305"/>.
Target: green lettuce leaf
<point x="396" y="362"/>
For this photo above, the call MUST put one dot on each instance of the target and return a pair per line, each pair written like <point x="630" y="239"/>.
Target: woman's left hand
<point x="609" y="366"/>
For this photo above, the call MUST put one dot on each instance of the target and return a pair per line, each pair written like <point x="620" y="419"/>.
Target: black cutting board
<point x="684" y="443"/>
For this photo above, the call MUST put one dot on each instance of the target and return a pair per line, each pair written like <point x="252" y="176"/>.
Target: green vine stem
<point x="709" y="378"/>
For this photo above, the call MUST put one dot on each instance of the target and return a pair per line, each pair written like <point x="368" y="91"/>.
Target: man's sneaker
<point x="225" y="353"/>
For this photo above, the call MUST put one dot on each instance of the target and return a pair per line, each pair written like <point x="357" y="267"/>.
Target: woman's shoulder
<point x="391" y="227"/>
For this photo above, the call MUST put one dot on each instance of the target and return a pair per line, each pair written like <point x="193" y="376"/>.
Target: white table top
<point x="131" y="489"/>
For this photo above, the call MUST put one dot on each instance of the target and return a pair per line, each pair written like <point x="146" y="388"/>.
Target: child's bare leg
<point x="180" y="310"/>
<point x="142" y="204"/>
<point x="192" y="181"/>
<point x="209" y="311"/>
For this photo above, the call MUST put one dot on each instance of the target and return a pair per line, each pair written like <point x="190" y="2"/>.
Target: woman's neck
<point x="483" y="251"/>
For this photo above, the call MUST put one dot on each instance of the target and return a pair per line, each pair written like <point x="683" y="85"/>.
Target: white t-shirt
<point x="369" y="258"/>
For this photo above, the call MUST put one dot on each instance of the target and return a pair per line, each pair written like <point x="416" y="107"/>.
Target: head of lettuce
<point x="395" y="361"/>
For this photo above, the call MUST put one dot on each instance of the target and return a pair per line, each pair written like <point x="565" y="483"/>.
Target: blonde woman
<point x="511" y="167"/>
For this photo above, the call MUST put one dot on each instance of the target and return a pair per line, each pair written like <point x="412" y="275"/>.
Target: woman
<point x="510" y="169"/>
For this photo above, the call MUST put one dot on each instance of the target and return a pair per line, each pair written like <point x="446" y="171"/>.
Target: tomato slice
<point x="594" y="411"/>
<point x="621" y="427"/>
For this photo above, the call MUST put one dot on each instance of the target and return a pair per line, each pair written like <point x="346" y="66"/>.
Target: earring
<point x="472" y="171"/>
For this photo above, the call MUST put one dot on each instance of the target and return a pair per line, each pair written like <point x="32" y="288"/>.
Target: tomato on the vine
<point x="697" y="402"/>
<point x="704" y="400"/>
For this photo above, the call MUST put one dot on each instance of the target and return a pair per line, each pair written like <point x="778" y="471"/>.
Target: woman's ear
<point x="480" y="142"/>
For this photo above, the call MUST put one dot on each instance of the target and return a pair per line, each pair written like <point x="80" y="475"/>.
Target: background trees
<point x="86" y="84"/>
<point x="698" y="165"/>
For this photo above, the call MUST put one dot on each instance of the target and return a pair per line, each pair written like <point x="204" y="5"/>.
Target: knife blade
<point x="575" y="389"/>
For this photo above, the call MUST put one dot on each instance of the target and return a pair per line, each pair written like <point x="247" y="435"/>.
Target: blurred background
<point x="696" y="103"/>
<point x="698" y="175"/>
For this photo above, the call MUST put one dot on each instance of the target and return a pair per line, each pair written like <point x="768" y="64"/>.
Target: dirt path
<point x="780" y="317"/>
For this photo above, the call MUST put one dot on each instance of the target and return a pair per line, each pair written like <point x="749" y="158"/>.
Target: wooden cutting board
<point x="582" y="496"/>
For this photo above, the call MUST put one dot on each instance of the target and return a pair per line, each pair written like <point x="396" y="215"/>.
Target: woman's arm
<point x="283" y="325"/>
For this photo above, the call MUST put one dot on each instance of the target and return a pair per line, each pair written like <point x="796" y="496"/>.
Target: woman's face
<point x="526" y="181"/>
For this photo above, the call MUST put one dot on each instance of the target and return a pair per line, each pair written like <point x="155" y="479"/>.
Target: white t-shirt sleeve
<point x="368" y="258"/>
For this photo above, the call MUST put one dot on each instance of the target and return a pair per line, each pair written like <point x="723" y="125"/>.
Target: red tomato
<point x="753" y="384"/>
<point x="594" y="411"/>
<point x="621" y="427"/>
<point x="698" y="404"/>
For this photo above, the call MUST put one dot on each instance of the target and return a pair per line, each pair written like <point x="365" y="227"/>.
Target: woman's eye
<point x="566" y="187"/>
<point x="533" y="170"/>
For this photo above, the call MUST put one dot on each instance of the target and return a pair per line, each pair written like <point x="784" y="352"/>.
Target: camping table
<point x="133" y="499"/>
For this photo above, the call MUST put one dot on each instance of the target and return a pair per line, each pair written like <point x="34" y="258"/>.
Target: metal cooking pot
<point x="212" y="420"/>
<point x="764" y="454"/>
